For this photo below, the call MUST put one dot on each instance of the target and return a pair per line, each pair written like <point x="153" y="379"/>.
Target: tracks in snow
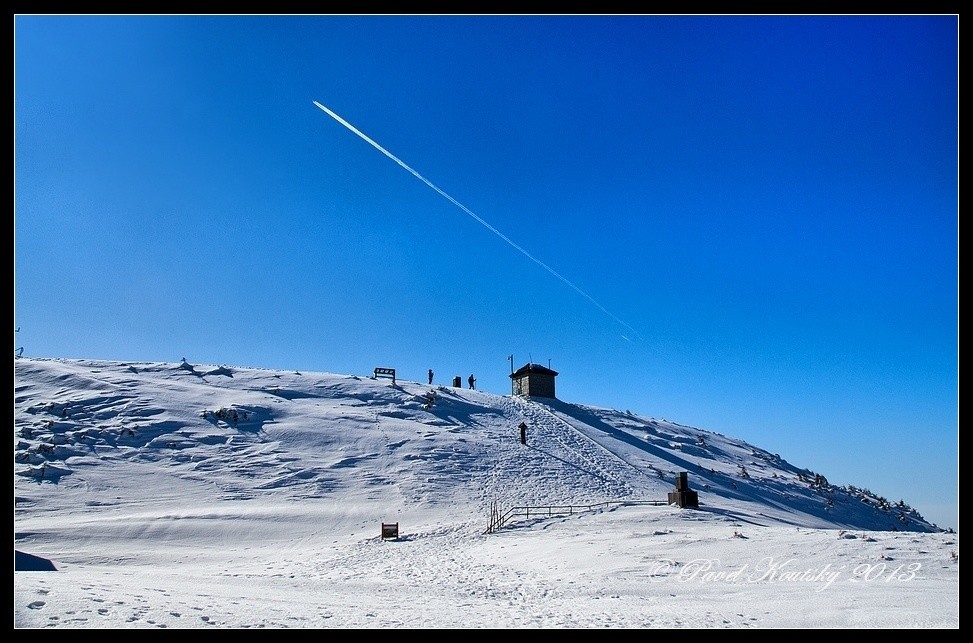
<point x="585" y="471"/>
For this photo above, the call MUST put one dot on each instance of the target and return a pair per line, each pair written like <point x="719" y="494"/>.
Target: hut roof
<point x="532" y="368"/>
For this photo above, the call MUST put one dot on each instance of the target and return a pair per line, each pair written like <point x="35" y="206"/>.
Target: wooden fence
<point x="500" y="518"/>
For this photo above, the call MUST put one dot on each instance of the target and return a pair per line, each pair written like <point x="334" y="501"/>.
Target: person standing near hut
<point x="523" y="432"/>
<point x="472" y="381"/>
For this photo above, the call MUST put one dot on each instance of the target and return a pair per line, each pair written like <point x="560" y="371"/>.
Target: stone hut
<point x="533" y="380"/>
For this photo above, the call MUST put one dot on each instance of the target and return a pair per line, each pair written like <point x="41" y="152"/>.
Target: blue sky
<point x="760" y="210"/>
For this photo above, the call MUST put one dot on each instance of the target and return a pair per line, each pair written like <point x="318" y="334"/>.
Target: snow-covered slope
<point x="408" y="449"/>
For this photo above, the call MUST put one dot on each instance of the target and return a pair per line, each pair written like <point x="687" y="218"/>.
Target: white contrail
<point x="473" y="214"/>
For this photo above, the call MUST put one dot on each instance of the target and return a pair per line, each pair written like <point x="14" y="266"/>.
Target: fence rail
<point x="500" y="518"/>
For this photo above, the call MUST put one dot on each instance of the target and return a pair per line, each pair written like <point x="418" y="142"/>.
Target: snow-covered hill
<point x="244" y="432"/>
<point x="162" y="495"/>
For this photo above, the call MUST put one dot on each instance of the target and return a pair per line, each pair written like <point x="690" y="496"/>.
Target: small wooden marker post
<point x="390" y="530"/>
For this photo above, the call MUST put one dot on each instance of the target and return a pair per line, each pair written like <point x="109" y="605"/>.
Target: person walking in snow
<point x="430" y="376"/>
<point x="472" y="382"/>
